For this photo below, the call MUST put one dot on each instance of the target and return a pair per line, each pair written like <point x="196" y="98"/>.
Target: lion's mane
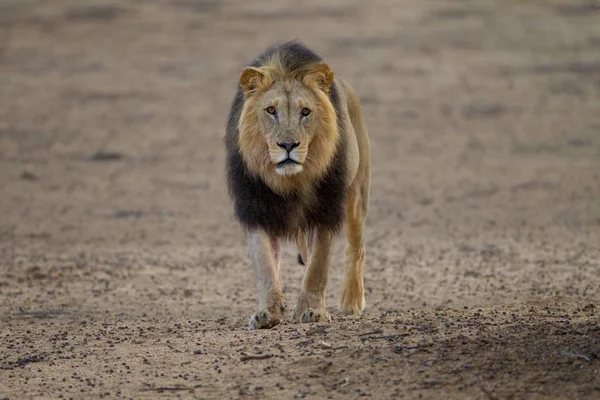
<point x="281" y="214"/>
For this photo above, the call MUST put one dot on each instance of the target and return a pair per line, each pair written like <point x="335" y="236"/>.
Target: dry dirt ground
<point x="125" y="275"/>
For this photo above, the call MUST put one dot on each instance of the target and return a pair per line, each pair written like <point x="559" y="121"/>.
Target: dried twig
<point x="263" y="357"/>
<point x="377" y="331"/>
<point x="169" y="388"/>
<point x="385" y="337"/>
<point x="576" y="355"/>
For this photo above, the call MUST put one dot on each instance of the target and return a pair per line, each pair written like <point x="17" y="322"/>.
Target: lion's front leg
<point x="311" y="303"/>
<point x="352" y="294"/>
<point x="265" y="253"/>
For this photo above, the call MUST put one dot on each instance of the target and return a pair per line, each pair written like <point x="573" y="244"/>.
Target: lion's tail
<point x="302" y="242"/>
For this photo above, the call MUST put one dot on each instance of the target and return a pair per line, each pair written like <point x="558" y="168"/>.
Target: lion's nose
<point x="288" y="146"/>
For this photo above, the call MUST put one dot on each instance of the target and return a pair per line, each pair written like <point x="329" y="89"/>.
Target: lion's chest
<point x="257" y="206"/>
<point x="282" y="215"/>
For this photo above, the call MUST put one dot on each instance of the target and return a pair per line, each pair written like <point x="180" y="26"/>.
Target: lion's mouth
<point x="287" y="161"/>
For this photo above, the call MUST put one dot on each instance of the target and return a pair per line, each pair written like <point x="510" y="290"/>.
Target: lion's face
<point x="286" y="115"/>
<point x="288" y="126"/>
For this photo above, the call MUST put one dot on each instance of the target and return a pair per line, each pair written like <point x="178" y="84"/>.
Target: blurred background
<point x="484" y="119"/>
<point x="123" y="271"/>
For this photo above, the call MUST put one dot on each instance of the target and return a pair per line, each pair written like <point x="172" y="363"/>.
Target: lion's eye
<point x="305" y="111"/>
<point x="270" y="110"/>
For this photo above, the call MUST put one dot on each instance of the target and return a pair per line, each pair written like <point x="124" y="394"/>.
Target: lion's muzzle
<point x="288" y="146"/>
<point x="287" y="162"/>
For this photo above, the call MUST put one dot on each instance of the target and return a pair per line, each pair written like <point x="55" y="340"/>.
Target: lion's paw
<point x="313" y="315"/>
<point x="263" y="319"/>
<point x="352" y="299"/>
<point x="310" y="308"/>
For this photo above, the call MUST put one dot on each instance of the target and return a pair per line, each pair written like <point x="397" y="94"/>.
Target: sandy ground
<point x="123" y="273"/>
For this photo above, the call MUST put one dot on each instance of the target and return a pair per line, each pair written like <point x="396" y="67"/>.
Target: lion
<point x="298" y="168"/>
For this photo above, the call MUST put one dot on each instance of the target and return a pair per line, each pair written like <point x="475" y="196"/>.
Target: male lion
<point x="298" y="167"/>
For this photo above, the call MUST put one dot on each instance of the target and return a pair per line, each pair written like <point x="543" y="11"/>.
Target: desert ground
<point x="124" y="274"/>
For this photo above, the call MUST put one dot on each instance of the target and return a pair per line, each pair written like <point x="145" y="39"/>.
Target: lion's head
<point x="288" y="127"/>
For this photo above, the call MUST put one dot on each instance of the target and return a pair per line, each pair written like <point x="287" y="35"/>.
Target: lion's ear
<point x="251" y="79"/>
<point x="320" y="76"/>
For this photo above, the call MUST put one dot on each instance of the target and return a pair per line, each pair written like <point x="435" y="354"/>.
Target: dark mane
<point x="293" y="56"/>
<point x="256" y="205"/>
